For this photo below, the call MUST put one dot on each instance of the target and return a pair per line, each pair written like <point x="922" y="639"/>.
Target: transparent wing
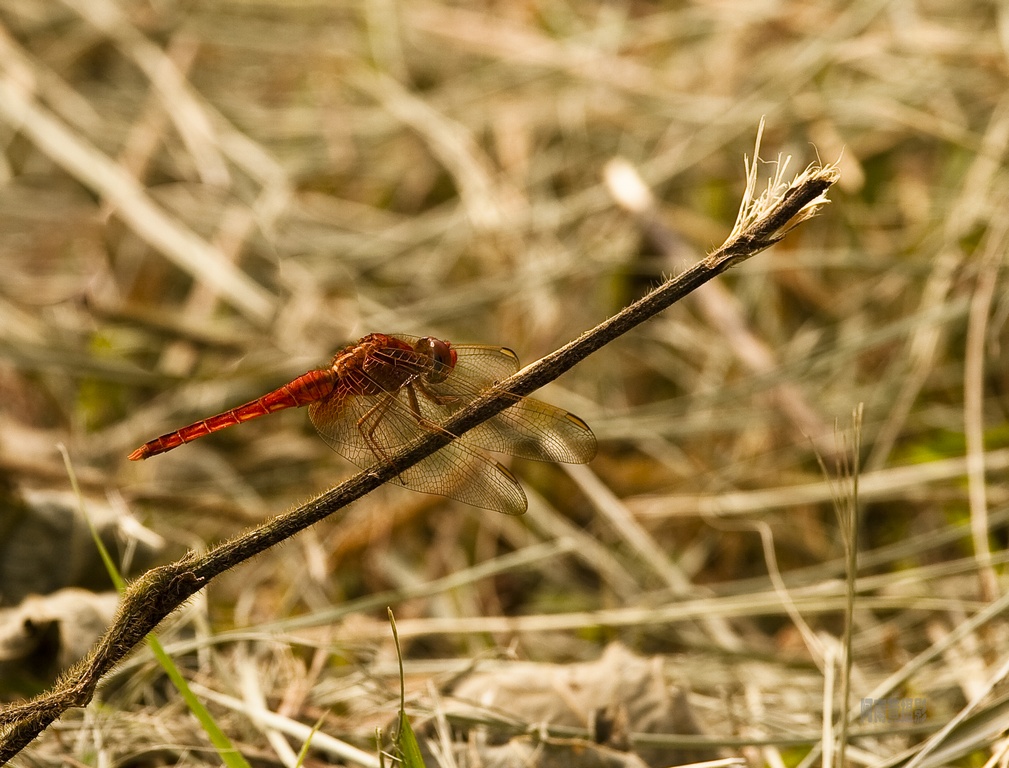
<point x="368" y="429"/>
<point x="530" y="428"/>
<point x="535" y="430"/>
<point x="462" y="474"/>
<point x="365" y="428"/>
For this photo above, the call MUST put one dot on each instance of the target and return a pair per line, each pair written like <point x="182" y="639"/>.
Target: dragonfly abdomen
<point x="305" y="389"/>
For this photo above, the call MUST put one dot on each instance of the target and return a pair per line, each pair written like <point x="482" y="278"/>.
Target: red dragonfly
<point x="386" y="390"/>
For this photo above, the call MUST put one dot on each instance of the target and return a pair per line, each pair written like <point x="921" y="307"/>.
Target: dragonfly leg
<point x="422" y="420"/>
<point x="434" y="397"/>
<point x="368" y="425"/>
<point x="374" y="417"/>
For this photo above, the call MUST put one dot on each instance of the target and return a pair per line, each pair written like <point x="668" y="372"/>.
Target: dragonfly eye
<point x="442" y="357"/>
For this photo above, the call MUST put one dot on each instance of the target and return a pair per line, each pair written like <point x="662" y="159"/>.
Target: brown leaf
<point x="44" y="635"/>
<point x="619" y="695"/>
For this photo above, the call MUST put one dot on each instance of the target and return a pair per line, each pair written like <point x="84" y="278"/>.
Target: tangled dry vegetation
<point x="200" y="201"/>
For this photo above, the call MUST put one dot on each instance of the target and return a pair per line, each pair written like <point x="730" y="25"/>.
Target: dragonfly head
<point x="442" y="357"/>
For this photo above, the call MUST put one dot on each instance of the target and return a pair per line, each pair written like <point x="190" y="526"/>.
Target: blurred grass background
<point x="199" y="201"/>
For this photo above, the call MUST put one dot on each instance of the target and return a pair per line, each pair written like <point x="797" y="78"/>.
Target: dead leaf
<point x="619" y="695"/>
<point x="44" y="635"/>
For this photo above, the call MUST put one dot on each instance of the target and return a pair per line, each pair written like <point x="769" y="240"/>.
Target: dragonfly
<point x="382" y="392"/>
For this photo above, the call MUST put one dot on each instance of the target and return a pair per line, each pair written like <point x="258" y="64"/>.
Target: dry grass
<point x="201" y="200"/>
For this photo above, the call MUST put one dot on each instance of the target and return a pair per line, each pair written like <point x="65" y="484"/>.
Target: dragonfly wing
<point x="462" y="474"/>
<point x="368" y="429"/>
<point x="533" y="429"/>
<point x="529" y="428"/>
<point x="485" y="366"/>
<point x="365" y="428"/>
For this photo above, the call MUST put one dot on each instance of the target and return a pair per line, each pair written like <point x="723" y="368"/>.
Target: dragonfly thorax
<point x="380" y="363"/>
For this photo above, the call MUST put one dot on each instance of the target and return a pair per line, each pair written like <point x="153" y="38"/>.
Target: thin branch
<point x="153" y="596"/>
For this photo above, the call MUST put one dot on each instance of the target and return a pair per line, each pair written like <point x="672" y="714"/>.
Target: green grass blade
<point x="406" y="739"/>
